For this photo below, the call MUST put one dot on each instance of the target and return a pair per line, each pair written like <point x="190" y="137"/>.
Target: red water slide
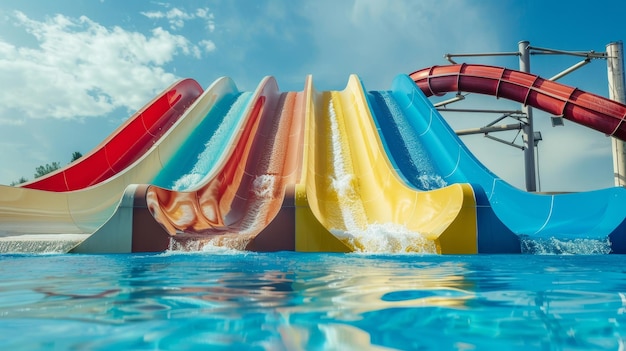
<point x="126" y="144"/>
<point x="584" y="108"/>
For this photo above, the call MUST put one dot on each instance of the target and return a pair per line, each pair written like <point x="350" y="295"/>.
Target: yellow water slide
<point x="349" y="197"/>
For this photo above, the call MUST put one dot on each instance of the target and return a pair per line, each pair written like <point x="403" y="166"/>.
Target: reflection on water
<point x="290" y="301"/>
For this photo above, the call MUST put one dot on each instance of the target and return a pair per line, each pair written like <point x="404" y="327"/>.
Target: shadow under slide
<point x="429" y="154"/>
<point x="33" y="220"/>
<point x="126" y="144"/>
<point x="351" y="189"/>
<point x="237" y="202"/>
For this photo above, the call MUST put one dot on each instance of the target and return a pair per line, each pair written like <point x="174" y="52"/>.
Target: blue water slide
<point x="199" y="153"/>
<point x="429" y="154"/>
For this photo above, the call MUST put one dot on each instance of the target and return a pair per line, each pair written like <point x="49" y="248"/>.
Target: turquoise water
<point x="298" y="301"/>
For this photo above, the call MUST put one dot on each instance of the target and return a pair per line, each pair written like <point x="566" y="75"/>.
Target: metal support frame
<point x="570" y="70"/>
<point x="528" y="132"/>
<point x="530" y="138"/>
<point x="458" y="97"/>
<point x="489" y="129"/>
<point x="615" y="67"/>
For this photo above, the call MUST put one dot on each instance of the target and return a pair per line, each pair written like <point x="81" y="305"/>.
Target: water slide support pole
<point x="615" y="67"/>
<point x="527" y="130"/>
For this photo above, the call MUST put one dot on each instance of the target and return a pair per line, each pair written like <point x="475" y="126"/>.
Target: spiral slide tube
<point x="590" y="110"/>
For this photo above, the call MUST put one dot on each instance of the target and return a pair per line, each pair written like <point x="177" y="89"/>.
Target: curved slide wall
<point x="43" y="216"/>
<point x="247" y="200"/>
<point x="126" y="144"/>
<point x="351" y="190"/>
<point x="595" y="215"/>
<point x="197" y="154"/>
<point x="241" y="196"/>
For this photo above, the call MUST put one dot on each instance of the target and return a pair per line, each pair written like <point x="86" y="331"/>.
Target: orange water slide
<point x="126" y="144"/>
<point x="245" y="193"/>
<point x="590" y="110"/>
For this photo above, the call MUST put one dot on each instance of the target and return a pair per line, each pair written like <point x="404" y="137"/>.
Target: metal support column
<point x="615" y="65"/>
<point x="529" y="139"/>
<point x="528" y="131"/>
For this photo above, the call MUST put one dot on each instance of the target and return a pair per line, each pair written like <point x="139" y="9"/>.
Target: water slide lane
<point x="198" y="153"/>
<point x="352" y="190"/>
<point x="41" y="217"/>
<point x="415" y="162"/>
<point x="126" y="144"/>
<point x="245" y="193"/>
<point x="594" y="215"/>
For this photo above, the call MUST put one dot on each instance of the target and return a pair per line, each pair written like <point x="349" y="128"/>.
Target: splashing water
<point x="362" y="236"/>
<point x="264" y="186"/>
<point x="233" y="245"/>
<point x="192" y="248"/>
<point x="342" y="180"/>
<point x="41" y="243"/>
<point x="430" y="182"/>
<point x="554" y="246"/>
<point x="428" y="178"/>
<point x="213" y="244"/>
<point x="263" y="190"/>
<point x="386" y="238"/>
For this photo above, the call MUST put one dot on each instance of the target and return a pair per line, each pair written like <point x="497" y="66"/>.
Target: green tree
<point x="75" y="156"/>
<point x="47" y="168"/>
<point x="19" y="181"/>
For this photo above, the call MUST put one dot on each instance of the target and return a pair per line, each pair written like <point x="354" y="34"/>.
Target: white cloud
<point x="81" y="68"/>
<point x="207" y="45"/>
<point x="204" y="13"/>
<point x="177" y="17"/>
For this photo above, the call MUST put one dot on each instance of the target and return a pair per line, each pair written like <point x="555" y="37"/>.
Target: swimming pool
<point x="296" y="301"/>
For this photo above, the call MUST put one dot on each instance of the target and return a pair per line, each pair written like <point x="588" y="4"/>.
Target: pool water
<point x="296" y="301"/>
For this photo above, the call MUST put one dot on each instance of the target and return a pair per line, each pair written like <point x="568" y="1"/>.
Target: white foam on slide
<point x="208" y="157"/>
<point x="40" y="243"/>
<point x="359" y="233"/>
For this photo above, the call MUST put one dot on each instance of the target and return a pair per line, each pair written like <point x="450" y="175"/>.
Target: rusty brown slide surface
<point x="245" y="193"/>
<point x="590" y="110"/>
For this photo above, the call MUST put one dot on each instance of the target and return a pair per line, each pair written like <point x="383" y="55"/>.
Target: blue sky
<point x="73" y="71"/>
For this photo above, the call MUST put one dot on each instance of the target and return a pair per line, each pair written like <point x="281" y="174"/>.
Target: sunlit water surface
<point x="297" y="301"/>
